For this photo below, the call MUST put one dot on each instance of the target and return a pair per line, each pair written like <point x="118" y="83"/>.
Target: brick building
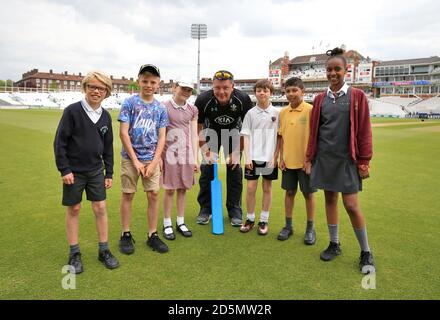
<point x="44" y="81"/>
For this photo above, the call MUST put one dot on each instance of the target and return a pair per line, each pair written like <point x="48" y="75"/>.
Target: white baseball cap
<point x="185" y="84"/>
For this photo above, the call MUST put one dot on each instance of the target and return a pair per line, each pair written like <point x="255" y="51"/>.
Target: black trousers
<point x="234" y="186"/>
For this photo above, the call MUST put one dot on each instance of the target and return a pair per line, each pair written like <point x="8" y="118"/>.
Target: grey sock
<point x="334" y="235"/>
<point x="362" y="237"/>
<point x="74" y="249"/>
<point x="289" y="223"/>
<point x="310" y="226"/>
<point x="103" y="246"/>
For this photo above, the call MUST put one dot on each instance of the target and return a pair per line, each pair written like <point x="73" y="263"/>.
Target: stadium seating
<point x="380" y="108"/>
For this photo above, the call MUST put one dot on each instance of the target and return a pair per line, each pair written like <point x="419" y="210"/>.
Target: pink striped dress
<point x="178" y="158"/>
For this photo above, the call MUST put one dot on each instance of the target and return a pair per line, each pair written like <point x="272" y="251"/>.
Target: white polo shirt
<point x="261" y="125"/>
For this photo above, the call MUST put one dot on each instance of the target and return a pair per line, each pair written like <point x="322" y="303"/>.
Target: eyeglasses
<point x="93" y="88"/>
<point x="223" y="75"/>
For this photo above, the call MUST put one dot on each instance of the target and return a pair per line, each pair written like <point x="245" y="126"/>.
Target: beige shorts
<point x="129" y="178"/>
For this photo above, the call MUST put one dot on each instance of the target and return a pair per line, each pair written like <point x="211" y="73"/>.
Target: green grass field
<point x="400" y="201"/>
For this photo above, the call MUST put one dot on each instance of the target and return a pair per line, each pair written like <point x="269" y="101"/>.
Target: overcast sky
<point x="243" y="36"/>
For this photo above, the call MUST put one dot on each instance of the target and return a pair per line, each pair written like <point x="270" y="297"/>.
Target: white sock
<point x="264" y="217"/>
<point x="180" y="221"/>
<point x="251" y="216"/>
<point x="167" y="223"/>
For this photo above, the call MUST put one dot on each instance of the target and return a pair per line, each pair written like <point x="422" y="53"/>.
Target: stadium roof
<point x="309" y="58"/>
<point x="434" y="59"/>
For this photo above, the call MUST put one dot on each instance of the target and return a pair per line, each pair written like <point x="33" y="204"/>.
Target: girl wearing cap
<point x="179" y="156"/>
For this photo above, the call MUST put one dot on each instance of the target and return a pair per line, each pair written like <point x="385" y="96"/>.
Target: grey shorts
<point x="291" y="178"/>
<point x="92" y="182"/>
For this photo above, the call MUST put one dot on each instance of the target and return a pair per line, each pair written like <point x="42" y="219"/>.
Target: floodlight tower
<point x="199" y="31"/>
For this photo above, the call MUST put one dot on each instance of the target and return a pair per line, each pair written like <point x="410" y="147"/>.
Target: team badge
<point x="233" y="108"/>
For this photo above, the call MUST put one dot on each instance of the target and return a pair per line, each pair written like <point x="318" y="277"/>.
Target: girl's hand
<point x="364" y="171"/>
<point x="307" y="167"/>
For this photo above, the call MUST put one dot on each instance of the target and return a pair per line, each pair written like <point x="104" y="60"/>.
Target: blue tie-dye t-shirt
<point x="145" y="120"/>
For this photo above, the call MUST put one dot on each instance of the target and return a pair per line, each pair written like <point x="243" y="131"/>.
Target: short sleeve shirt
<point x="145" y="120"/>
<point x="217" y="117"/>
<point x="295" y="129"/>
<point x="261" y="125"/>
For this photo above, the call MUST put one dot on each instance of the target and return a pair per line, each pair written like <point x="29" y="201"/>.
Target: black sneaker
<point x="75" y="262"/>
<point x="333" y="250"/>
<point x="126" y="243"/>
<point x="285" y="233"/>
<point x="366" y="262"/>
<point x="156" y="244"/>
<point x="108" y="259"/>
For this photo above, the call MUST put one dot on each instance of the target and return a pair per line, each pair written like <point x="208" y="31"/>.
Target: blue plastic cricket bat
<point x="216" y="203"/>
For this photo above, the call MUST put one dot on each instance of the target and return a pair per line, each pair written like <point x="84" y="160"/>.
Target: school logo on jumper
<point x="224" y="120"/>
<point x="233" y="108"/>
<point x="103" y="130"/>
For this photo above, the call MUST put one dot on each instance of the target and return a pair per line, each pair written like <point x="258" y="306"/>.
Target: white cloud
<point x="117" y="37"/>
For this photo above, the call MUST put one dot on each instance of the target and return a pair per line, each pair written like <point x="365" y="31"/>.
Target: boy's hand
<point x="196" y="168"/>
<point x="364" y="171"/>
<point x="140" y="168"/>
<point x="108" y="183"/>
<point x="150" y="169"/>
<point x="68" y="179"/>
<point x="249" y="166"/>
<point x="307" y="168"/>
<point x="282" y="165"/>
<point x="272" y="163"/>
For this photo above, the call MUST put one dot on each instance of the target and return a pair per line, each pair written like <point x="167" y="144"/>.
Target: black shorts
<point x="291" y="178"/>
<point x="92" y="182"/>
<point x="260" y="169"/>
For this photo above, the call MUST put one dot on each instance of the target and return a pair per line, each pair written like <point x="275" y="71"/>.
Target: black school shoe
<point x="109" y="260"/>
<point x="156" y="244"/>
<point x="366" y="262"/>
<point x="187" y="233"/>
<point x="333" y="250"/>
<point x="126" y="243"/>
<point x="285" y="233"/>
<point x="169" y="236"/>
<point x="76" y="263"/>
<point x="310" y="237"/>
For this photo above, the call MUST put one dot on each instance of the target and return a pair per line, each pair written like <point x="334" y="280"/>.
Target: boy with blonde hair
<point x="83" y="148"/>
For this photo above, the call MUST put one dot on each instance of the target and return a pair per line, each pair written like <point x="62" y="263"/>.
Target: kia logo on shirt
<point x="224" y="120"/>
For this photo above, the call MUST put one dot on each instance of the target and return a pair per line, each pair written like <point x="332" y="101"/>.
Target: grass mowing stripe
<point x="400" y="203"/>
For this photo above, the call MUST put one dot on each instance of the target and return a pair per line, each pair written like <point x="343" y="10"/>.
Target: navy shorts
<point x="291" y="178"/>
<point x="92" y="182"/>
<point x="260" y="169"/>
